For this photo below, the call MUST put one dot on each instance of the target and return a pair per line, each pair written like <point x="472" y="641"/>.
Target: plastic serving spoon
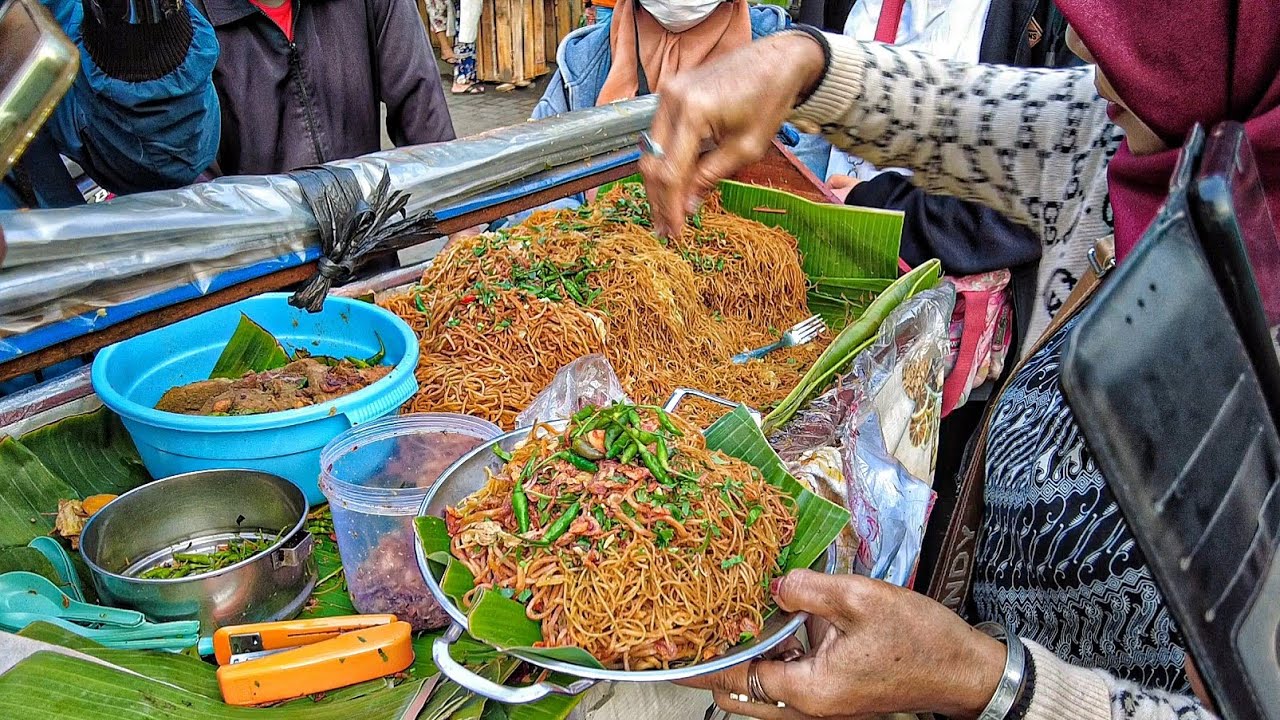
<point x="25" y="592"/>
<point x="16" y="621"/>
<point x="61" y="561"/>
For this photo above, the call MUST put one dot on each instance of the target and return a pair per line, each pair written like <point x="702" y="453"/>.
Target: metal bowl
<point x="465" y="477"/>
<point x="194" y="513"/>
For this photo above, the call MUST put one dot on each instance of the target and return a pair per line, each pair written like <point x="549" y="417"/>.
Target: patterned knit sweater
<point x="1033" y="144"/>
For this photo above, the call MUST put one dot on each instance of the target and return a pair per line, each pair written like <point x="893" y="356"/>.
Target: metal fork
<point x="802" y="332"/>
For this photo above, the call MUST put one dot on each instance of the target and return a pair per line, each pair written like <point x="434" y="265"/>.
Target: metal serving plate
<point x="465" y="477"/>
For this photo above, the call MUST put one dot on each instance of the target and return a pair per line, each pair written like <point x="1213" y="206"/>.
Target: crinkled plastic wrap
<point x="589" y="380"/>
<point x="64" y="260"/>
<point x="881" y="422"/>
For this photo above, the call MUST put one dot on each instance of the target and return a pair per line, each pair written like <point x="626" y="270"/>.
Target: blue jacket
<point x="157" y="130"/>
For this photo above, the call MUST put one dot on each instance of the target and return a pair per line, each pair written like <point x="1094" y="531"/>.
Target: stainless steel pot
<point x="468" y="475"/>
<point x="195" y="512"/>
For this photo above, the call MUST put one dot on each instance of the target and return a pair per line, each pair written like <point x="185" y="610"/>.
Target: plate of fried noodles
<point x="620" y="544"/>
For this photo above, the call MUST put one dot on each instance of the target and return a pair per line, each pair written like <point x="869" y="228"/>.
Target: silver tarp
<point x="64" y="262"/>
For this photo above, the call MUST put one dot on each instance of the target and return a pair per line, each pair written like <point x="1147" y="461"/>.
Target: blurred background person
<point x="302" y="83"/>
<point x="141" y="113"/>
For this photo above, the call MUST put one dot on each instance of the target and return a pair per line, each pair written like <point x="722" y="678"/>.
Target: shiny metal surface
<point x="143" y="527"/>
<point x="466" y="476"/>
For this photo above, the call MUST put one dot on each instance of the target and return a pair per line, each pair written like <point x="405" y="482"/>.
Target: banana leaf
<point x="28" y="559"/>
<point x="836" y="241"/>
<point x="502" y="622"/>
<point x="29" y="494"/>
<point x="87" y="691"/>
<point x="92" y="452"/>
<point x="819" y="521"/>
<point x="71" y="459"/>
<point x="853" y="339"/>
<point x="250" y="349"/>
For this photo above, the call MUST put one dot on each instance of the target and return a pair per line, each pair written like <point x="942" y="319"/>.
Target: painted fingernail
<point x="775" y="586"/>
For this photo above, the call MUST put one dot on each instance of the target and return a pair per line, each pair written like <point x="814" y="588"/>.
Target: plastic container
<point x="376" y="477"/>
<point x="131" y="376"/>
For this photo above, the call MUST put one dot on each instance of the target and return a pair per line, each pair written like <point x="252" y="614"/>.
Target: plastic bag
<point x="890" y="507"/>
<point x="589" y="380"/>
<point x="881" y="420"/>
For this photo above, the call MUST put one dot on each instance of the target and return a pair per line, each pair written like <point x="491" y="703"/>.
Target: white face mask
<point x="680" y="15"/>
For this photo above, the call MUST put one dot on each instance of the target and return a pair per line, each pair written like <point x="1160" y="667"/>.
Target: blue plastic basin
<point x="131" y="376"/>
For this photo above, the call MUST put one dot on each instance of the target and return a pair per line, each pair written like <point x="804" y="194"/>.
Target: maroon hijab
<point x="1176" y="63"/>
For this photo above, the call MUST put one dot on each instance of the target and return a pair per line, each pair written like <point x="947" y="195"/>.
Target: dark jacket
<point x="288" y="105"/>
<point x="141" y="114"/>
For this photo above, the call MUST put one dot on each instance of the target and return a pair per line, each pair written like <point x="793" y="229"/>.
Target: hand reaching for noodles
<point x="737" y="102"/>
<point x="886" y="650"/>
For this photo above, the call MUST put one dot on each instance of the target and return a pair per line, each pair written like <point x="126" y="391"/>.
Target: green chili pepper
<point x="664" y="420"/>
<point x="520" y="504"/>
<point x="618" y="445"/>
<point x="573" y="292"/>
<point x="663" y="456"/>
<point x="652" y="463"/>
<point x="634" y="417"/>
<point x="629" y="454"/>
<point x="611" y="437"/>
<point x="562" y="523"/>
<point x="582" y="463"/>
<point x="586" y="412"/>
<point x="527" y="472"/>
<point x="503" y="455"/>
<point x="588" y="426"/>
<point x="645" y="437"/>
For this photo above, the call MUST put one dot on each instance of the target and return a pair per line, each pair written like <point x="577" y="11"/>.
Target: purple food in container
<point x="375" y="477"/>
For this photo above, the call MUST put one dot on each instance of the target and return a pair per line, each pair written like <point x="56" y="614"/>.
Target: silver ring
<point x="756" y="688"/>
<point x="649" y="146"/>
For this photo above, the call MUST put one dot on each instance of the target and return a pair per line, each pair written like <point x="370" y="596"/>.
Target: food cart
<point x="64" y="445"/>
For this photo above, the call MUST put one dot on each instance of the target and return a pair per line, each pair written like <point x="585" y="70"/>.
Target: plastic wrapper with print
<point x="870" y="442"/>
<point x="589" y="380"/>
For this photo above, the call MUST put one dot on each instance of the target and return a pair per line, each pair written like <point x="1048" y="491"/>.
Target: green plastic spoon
<point x="25" y="592"/>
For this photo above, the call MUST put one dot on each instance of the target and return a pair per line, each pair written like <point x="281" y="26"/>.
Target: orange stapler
<point x="270" y="662"/>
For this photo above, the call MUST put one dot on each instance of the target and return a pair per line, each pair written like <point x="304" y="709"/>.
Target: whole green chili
<point x="610" y="437"/>
<point x="664" y="458"/>
<point x="651" y="462"/>
<point x="502" y="454"/>
<point x="629" y="453"/>
<point x="562" y="523"/>
<point x="582" y="463"/>
<point x="664" y="420"/>
<point x="618" y="445"/>
<point x="520" y="504"/>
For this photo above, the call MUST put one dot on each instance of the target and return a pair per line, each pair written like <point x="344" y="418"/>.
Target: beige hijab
<point x="663" y="52"/>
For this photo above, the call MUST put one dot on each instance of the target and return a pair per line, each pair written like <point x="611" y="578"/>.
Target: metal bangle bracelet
<point x="1015" y="666"/>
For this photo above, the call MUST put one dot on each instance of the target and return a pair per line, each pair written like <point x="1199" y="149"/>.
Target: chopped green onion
<point x="730" y="562"/>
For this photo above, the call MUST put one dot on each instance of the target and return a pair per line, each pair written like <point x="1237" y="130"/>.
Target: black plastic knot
<point x="349" y="225"/>
<point x="334" y="272"/>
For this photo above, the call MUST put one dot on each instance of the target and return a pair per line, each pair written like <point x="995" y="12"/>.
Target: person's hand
<point x="842" y="185"/>
<point x="737" y="102"/>
<point x="886" y="650"/>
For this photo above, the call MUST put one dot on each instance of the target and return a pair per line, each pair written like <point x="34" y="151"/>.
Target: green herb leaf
<point x="250" y="349"/>
<point x="730" y="562"/>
